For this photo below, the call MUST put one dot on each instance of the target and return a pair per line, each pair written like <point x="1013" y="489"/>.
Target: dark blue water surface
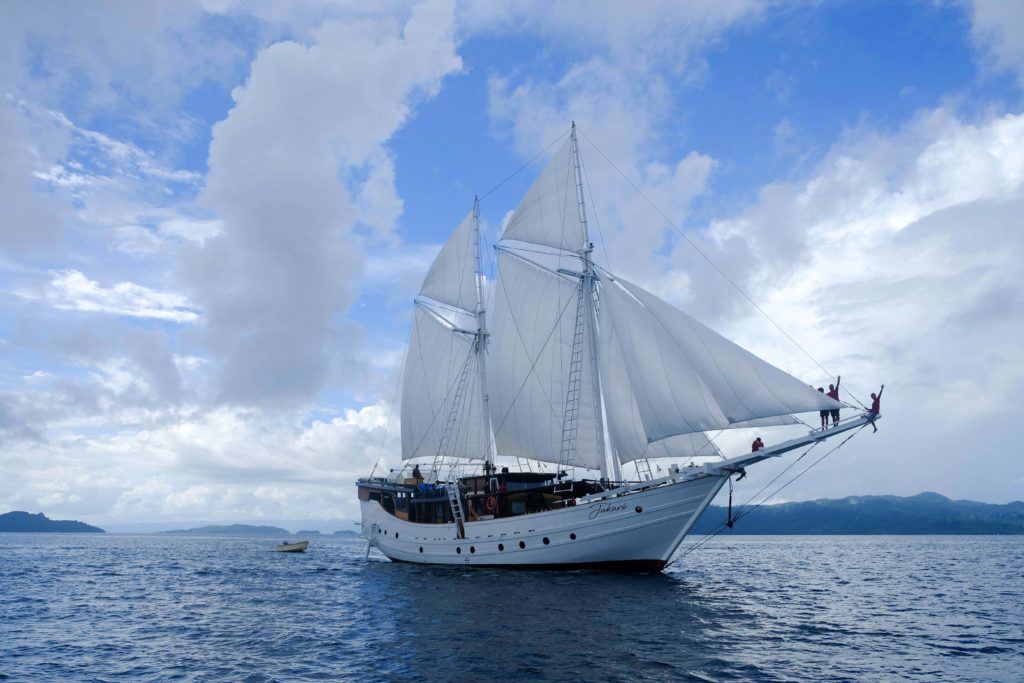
<point x="96" y="608"/>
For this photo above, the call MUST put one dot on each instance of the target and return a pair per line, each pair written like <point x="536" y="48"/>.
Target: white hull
<point x="637" y="530"/>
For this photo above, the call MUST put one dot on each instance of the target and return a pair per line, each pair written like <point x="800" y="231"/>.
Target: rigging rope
<point x="710" y="262"/>
<point x="518" y="170"/>
<point x="743" y="511"/>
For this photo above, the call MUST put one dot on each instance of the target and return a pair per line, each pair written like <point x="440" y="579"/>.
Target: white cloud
<point x="997" y="27"/>
<point x="190" y="230"/>
<point x="282" y="270"/>
<point x="899" y="260"/>
<point x="225" y="464"/>
<point x="71" y="290"/>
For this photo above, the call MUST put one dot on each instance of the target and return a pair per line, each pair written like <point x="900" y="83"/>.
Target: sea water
<point x="161" y="608"/>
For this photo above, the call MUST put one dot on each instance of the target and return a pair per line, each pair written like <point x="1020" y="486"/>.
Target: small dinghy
<point x="296" y="547"/>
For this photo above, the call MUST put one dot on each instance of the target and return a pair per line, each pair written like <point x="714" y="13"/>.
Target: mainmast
<point x="589" y="279"/>
<point x="482" y="338"/>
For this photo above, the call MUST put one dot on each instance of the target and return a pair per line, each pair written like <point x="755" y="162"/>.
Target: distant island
<point x="925" y="513"/>
<point x="346" y="532"/>
<point x="233" y="530"/>
<point x="26" y="522"/>
<point x="307" y="532"/>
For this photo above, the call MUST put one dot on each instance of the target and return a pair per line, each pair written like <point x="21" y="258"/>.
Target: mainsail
<point x="532" y="334"/>
<point x="579" y="362"/>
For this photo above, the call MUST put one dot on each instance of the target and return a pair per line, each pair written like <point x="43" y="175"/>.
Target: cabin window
<point x="389" y="503"/>
<point x="375" y="495"/>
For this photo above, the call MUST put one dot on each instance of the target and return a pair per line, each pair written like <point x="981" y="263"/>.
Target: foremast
<point x="482" y="337"/>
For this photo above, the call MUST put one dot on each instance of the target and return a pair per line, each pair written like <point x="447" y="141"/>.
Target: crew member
<point x="876" y="407"/>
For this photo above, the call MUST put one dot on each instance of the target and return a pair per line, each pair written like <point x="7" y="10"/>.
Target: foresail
<point x="532" y="326"/>
<point x="548" y="214"/>
<point x="687" y="378"/>
<point x="452" y="277"/>
<point x="438" y="415"/>
<point x="626" y="429"/>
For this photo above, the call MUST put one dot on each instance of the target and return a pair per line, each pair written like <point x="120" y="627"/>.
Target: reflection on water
<point x="740" y="608"/>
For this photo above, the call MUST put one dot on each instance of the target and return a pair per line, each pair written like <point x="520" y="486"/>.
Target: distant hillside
<point x="24" y="521"/>
<point x="233" y="530"/>
<point x="925" y="513"/>
<point x="346" y="532"/>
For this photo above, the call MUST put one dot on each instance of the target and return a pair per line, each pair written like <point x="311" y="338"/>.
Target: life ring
<point x="491" y="503"/>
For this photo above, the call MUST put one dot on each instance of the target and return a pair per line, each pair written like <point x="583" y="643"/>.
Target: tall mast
<point x="589" y="277"/>
<point x="482" y="337"/>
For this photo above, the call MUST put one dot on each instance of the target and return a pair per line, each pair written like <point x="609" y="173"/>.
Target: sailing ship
<point x="566" y="372"/>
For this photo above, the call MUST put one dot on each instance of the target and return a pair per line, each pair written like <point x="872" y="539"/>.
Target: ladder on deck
<point x="455" y="499"/>
<point x="643" y="469"/>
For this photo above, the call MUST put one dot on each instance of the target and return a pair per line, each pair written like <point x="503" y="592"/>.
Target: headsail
<point x="687" y="378"/>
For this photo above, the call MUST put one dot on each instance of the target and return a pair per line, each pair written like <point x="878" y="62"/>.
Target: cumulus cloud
<point x="274" y="280"/>
<point x="998" y="31"/>
<point x="225" y="464"/>
<point x="895" y="256"/>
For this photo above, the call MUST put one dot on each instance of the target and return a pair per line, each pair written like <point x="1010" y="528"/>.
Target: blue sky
<point x="214" y="216"/>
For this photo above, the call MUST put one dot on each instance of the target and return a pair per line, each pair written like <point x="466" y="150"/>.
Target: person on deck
<point x="876" y="407"/>
<point x="823" y="414"/>
<point x="757" y="445"/>
<point x="416" y="472"/>
<point x="833" y="393"/>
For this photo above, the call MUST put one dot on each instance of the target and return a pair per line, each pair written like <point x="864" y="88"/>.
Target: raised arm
<point x="839" y="379"/>
<point x="880" y="391"/>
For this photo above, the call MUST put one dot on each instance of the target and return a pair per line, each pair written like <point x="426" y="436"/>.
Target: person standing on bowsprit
<point x="833" y="393"/>
<point x="876" y="407"/>
<point x="823" y="414"/>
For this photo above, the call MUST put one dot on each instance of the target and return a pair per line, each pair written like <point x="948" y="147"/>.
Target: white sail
<point x="435" y="413"/>
<point x="688" y="378"/>
<point x="629" y="440"/>
<point x="532" y="327"/>
<point x="452" y="277"/>
<point x="549" y="212"/>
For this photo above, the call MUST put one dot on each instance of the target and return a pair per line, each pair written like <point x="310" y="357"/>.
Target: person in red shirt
<point x="876" y="407"/>
<point x="833" y="393"/>
<point x="757" y="445"/>
<point x="823" y="414"/>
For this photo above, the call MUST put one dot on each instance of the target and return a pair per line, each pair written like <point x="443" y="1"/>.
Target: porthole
<point x="572" y="536"/>
<point x="522" y="544"/>
<point x="639" y="509"/>
<point x="396" y="534"/>
<point x="546" y="540"/>
<point x="501" y="547"/>
<point x="421" y="549"/>
<point x="458" y="551"/>
<point x="380" y="531"/>
<point x="472" y="549"/>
